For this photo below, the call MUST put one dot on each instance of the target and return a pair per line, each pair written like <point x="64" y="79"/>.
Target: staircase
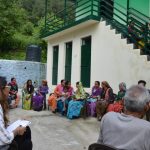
<point x="123" y="19"/>
<point x="119" y="17"/>
<point x="117" y="54"/>
<point x="118" y="61"/>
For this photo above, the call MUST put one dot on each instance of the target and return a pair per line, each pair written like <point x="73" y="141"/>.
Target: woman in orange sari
<point x="52" y="100"/>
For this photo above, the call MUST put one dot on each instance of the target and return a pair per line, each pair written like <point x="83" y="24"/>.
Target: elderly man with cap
<point x="128" y="131"/>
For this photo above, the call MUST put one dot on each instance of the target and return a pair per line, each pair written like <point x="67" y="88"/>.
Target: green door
<point x="55" y="65"/>
<point x="86" y="62"/>
<point x="68" y="61"/>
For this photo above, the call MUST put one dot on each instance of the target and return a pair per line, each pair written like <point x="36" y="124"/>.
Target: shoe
<point x="54" y="111"/>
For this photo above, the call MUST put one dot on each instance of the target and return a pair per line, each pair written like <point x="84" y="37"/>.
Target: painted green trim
<point x="140" y="35"/>
<point x="128" y="7"/>
<point x="81" y="11"/>
<point x="119" y="16"/>
<point x="70" y="25"/>
<point x="65" y="8"/>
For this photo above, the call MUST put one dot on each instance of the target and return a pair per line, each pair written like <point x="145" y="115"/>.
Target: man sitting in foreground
<point x="128" y="131"/>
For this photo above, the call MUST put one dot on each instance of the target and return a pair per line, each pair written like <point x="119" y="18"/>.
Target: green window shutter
<point x="86" y="62"/>
<point x="68" y="61"/>
<point x="55" y="65"/>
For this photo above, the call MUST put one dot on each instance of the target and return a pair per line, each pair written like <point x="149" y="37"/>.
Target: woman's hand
<point x="19" y="131"/>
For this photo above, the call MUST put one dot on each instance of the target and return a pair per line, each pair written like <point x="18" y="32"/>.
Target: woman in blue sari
<point x="75" y="105"/>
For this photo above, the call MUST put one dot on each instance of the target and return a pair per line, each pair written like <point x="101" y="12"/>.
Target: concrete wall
<point x="112" y="59"/>
<point x="23" y="70"/>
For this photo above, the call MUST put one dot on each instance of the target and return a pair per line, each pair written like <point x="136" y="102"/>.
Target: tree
<point x="11" y="17"/>
<point x="19" y="21"/>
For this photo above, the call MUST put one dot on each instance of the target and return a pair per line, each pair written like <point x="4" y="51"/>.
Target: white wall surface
<point x="112" y="59"/>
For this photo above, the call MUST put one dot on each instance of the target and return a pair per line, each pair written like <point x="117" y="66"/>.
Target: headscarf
<point x="122" y="86"/>
<point x="106" y="84"/>
<point x="106" y="92"/>
<point x="80" y="93"/>
<point x="122" y="90"/>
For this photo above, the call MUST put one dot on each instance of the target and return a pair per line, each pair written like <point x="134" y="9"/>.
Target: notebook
<point x="13" y="126"/>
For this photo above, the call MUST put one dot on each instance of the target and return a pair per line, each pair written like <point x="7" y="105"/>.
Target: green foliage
<point x="28" y="28"/>
<point x="21" y="22"/>
<point x="11" y="17"/>
<point x="15" y="55"/>
<point x="35" y="9"/>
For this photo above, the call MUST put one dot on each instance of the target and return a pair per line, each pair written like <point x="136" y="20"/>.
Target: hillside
<point x="21" y="23"/>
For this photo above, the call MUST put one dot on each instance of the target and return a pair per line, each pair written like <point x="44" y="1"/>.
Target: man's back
<point x="125" y="132"/>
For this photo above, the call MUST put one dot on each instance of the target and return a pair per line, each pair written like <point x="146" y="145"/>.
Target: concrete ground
<point x="54" y="132"/>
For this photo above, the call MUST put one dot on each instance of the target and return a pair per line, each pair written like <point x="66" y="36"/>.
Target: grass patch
<point x="13" y="55"/>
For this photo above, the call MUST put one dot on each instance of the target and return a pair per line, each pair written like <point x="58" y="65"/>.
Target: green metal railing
<point x="131" y="23"/>
<point x="77" y="13"/>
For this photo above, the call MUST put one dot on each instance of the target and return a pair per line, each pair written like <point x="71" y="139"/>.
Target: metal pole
<point x="128" y="6"/>
<point x="65" y="11"/>
<point x="45" y="12"/>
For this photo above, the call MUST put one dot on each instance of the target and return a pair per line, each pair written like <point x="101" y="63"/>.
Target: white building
<point x="82" y="47"/>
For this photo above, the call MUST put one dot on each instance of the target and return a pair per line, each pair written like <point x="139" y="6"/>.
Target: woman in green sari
<point x="122" y="91"/>
<point x="118" y="104"/>
<point x="75" y="105"/>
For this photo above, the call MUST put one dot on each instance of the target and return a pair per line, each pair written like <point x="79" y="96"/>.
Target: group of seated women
<point x="72" y="103"/>
<point x="34" y="99"/>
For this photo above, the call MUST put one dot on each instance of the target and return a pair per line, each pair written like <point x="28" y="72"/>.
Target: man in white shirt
<point x="128" y="130"/>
